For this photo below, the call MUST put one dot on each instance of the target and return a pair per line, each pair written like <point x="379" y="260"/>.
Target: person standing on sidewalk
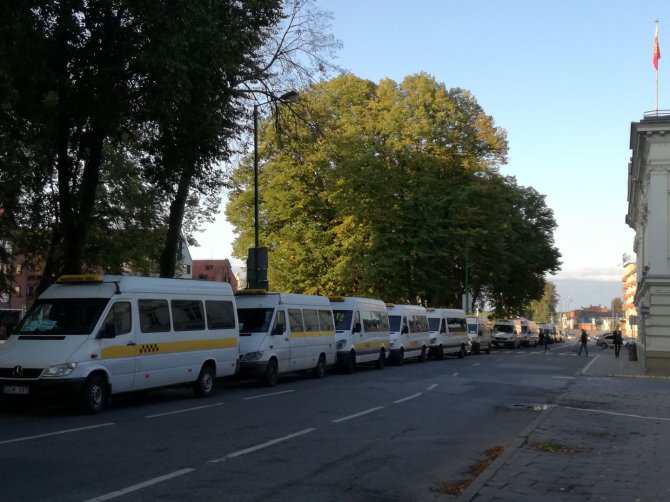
<point x="618" y="341"/>
<point x="584" y="338"/>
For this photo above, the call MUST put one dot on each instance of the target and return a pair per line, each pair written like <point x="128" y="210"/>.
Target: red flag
<point x="657" y="49"/>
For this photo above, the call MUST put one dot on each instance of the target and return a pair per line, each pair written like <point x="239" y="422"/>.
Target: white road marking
<point x="185" y="410"/>
<point x="267" y="395"/>
<point x="585" y="370"/>
<point x="407" y="398"/>
<point x="564" y="377"/>
<point x="139" y="486"/>
<point x="356" y="415"/>
<point x="66" y="431"/>
<point x="454" y="374"/>
<point x="432" y="387"/>
<point x="262" y="445"/>
<point x="612" y="413"/>
<point x="477" y="364"/>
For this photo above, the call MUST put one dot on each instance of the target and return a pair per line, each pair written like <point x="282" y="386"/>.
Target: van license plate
<point x="16" y="389"/>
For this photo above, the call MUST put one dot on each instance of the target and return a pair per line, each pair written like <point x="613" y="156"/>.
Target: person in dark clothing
<point x="545" y="341"/>
<point x="618" y="341"/>
<point x="584" y="338"/>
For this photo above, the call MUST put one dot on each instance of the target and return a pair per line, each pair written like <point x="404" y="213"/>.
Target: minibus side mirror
<point x="405" y="330"/>
<point x="279" y="329"/>
<point x="357" y="328"/>
<point x="109" y="331"/>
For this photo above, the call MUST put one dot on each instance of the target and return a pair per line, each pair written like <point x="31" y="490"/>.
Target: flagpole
<point x="657" y="56"/>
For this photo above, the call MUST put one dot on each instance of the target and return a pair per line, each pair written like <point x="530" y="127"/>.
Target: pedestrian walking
<point x="584" y="338"/>
<point x="618" y="341"/>
<point x="545" y="341"/>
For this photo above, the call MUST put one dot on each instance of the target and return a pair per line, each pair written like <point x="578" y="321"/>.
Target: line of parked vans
<point x="91" y="336"/>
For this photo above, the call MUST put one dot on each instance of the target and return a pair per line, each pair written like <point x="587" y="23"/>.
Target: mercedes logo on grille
<point x="18" y="371"/>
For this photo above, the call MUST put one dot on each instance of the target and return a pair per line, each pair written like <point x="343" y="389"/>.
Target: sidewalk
<point x="607" y="437"/>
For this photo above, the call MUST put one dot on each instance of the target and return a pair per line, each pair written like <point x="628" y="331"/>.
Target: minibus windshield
<point x="472" y="329"/>
<point x="434" y="323"/>
<point x="504" y="328"/>
<point x="63" y="316"/>
<point x="394" y="322"/>
<point x="342" y="319"/>
<point x="254" y="320"/>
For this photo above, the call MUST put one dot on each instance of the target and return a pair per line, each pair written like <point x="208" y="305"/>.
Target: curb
<point x="478" y="483"/>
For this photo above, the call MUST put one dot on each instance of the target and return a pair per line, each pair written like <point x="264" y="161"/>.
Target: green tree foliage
<point x="386" y="190"/>
<point x="542" y="310"/>
<point x="116" y="116"/>
<point x="617" y="305"/>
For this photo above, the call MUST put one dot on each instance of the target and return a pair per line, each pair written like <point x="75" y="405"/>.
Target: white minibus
<point x="283" y="332"/>
<point x="409" y="332"/>
<point x="362" y="331"/>
<point x="448" y="333"/>
<point x="94" y="336"/>
<point x="507" y="333"/>
<point x="480" y="334"/>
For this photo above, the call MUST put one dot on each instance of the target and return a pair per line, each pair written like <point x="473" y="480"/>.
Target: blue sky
<point x="564" y="79"/>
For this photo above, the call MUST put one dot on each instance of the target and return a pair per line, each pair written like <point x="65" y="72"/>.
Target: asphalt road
<point x="393" y="434"/>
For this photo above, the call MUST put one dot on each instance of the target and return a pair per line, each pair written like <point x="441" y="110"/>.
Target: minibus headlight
<point x="59" y="370"/>
<point x="252" y="356"/>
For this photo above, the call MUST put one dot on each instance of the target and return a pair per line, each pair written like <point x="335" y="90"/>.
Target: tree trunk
<point x="168" y="259"/>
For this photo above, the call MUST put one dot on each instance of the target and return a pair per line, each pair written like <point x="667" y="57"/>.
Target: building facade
<point x="629" y="288"/>
<point x="648" y="215"/>
<point x="215" y="270"/>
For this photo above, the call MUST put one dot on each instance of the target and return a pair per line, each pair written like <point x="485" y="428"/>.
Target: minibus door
<point x="281" y="340"/>
<point x="118" y="346"/>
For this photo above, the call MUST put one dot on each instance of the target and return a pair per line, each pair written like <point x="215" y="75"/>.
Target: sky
<point x="564" y="78"/>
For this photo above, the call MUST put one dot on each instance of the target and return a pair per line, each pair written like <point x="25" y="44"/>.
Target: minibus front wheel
<point x="95" y="395"/>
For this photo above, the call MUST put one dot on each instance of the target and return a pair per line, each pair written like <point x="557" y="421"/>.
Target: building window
<point x="202" y="276"/>
<point x="188" y="269"/>
<point x="209" y="267"/>
<point x="17" y="290"/>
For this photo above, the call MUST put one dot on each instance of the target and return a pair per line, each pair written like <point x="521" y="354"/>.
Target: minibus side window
<point x="311" y="320"/>
<point x="187" y="315"/>
<point x="220" y="314"/>
<point x="295" y="320"/>
<point x="119" y="316"/>
<point x="326" y="320"/>
<point x="371" y="321"/>
<point x="154" y="316"/>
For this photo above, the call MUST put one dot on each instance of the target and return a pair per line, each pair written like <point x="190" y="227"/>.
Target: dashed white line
<point x="268" y="395"/>
<point x="454" y="374"/>
<point x="185" y="410"/>
<point x="262" y="445"/>
<point x="408" y="398"/>
<point x="477" y="364"/>
<point x="56" y="433"/>
<point x="139" y="486"/>
<point x="356" y="415"/>
<point x="432" y="387"/>
<point x="563" y="377"/>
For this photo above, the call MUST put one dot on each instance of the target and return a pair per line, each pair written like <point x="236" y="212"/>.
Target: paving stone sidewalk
<point x="607" y="437"/>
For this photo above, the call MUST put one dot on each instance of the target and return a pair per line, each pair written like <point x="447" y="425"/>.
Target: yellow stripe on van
<point x="311" y="334"/>
<point x="369" y="345"/>
<point x="147" y="349"/>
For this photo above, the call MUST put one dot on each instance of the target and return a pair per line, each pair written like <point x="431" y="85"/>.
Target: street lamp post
<point x="257" y="259"/>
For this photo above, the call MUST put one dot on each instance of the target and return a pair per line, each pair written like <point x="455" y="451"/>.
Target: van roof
<point x="106" y="286"/>
<point x="266" y="300"/>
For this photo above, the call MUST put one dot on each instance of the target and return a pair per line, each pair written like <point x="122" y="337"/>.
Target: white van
<point x="283" y="332"/>
<point x="362" y="331"/>
<point x="410" y="336"/>
<point x="507" y="333"/>
<point x="448" y="333"/>
<point x="95" y="336"/>
<point x="480" y="334"/>
<point x="533" y="333"/>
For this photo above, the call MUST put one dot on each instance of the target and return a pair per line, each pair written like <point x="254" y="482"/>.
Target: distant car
<point x="605" y="340"/>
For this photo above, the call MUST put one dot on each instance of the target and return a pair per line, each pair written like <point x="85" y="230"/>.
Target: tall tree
<point x="388" y="190"/>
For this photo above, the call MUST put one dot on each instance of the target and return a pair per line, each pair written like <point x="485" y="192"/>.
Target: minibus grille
<point x="25" y="373"/>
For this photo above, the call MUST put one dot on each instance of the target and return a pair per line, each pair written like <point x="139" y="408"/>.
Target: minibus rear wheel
<point x="204" y="385"/>
<point x="319" y="370"/>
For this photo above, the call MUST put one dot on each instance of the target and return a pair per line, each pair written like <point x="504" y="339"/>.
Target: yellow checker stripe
<point x="146" y="349"/>
<point x="368" y="345"/>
